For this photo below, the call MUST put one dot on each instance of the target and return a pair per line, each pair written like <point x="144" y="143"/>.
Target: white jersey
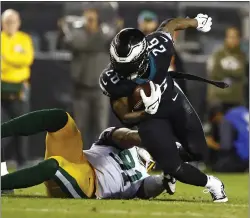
<point x="119" y="173"/>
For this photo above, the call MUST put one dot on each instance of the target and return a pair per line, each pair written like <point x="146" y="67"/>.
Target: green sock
<point x="31" y="176"/>
<point x="49" y="120"/>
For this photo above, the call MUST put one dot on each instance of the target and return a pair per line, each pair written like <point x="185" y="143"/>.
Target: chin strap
<point x="177" y="75"/>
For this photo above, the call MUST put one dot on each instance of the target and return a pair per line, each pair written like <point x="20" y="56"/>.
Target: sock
<point x="190" y="175"/>
<point x="4" y="169"/>
<point x="49" y="120"/>
<point x="31" y="176"/>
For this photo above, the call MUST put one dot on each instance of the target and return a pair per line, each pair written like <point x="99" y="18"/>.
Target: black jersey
<point x="161" y="50"/>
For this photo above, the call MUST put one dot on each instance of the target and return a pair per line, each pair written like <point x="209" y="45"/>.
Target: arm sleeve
<point x="24" y="58"/>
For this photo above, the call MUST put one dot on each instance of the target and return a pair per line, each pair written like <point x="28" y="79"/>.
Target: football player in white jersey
<point x="111" y="168"/>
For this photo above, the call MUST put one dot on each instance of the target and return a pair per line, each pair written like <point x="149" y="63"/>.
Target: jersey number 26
<point x="155" y="47"/>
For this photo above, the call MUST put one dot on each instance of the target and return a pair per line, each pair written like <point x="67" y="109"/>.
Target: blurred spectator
<point x="147" y="22"/>
<point x="247" y="85"/>
<point x="227" y="64"/>
<point x="234" y="141"/>
<point x="16" y="58"/>
<point x="89" y="46"/>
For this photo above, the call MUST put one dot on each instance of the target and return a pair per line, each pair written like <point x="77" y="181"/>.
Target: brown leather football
<point x="135" y="101"/>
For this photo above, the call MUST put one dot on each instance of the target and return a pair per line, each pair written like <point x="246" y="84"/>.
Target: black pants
<point x="182" y="124"/>
<point x="14" y="146"/>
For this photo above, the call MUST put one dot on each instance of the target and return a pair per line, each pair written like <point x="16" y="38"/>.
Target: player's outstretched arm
<point x="50" y="120"/>
<point x="126" y="138"/>
<point x="201" y="22"/>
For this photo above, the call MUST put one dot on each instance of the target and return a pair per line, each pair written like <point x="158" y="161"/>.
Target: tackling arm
<point x="126" y="138"/>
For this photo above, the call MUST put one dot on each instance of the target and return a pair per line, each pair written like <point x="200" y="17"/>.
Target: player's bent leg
<point x="71" y="180"/>
<point x="158" y="139"/>
<point x="188" y="129"/>
<point x="31" y="176"/>
<point x="66" y="142"/>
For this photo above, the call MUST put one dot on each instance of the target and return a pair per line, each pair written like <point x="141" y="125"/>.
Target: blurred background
<point x="65" y="48"/>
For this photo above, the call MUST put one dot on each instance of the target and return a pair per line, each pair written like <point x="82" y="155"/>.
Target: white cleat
<point x="169" y="183"/>
<point x="216" y="189"/>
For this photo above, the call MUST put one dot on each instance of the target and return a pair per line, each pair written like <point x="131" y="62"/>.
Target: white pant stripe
<point x="67" y="184"/>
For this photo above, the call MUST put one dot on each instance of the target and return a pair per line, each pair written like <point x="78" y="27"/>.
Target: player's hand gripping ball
<point x="146" y="97"/>
<point x="204" y="22"/>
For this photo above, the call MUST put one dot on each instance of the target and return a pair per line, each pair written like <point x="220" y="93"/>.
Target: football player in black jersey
<point x="168" y="115"/>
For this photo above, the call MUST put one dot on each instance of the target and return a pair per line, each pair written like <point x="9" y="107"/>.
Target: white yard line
<point x="117" y="212"/>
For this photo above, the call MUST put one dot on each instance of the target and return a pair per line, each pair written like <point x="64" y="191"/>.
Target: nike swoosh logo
<point x="175" y="97"/>
<point x="153" y="107"/>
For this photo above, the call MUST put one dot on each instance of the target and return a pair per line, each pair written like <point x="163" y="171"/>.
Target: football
<point x="135" y="101"/>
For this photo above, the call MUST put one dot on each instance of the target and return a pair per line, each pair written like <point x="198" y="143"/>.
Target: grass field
<point x="188" y="202"/>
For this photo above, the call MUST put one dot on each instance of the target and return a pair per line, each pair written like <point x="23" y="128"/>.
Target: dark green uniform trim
<point x="72" y="181"/>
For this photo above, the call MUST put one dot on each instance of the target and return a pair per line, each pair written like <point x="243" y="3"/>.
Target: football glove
<point x="152" y="102"/>
<point x="204" y="23"/>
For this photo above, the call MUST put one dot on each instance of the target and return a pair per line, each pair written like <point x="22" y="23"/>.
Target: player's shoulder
<point x="113" y="86"/>
<point x="107" y="73"/>
<point x="162" y="35"/>
<point x="105" y="80"/>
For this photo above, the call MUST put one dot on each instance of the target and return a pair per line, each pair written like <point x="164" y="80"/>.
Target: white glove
<point x="204" y="23"/>
<point x="152" y="102"/>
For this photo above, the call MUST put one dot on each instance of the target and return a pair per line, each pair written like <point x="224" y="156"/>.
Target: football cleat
<point x="169" y="183"/>
<point x="216" y="188"/>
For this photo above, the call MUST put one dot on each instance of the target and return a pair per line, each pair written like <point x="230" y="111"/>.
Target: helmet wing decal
<point x="133" y="54"/>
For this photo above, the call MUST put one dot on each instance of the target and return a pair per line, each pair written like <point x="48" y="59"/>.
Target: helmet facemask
<point x="133" y="69"/>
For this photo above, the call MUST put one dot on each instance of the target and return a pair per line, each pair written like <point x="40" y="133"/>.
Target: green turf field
<point x="188" y="202"/>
